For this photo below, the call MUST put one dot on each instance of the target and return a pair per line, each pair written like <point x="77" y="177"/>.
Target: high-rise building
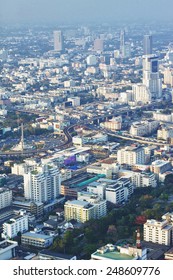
<point x="42" y="184"/>
<point x="122" y="42"/>
<point x="131" y="155"/>
<point x="58" y="41"/>
<point x="147" y="44"/>
<point x="141" y="94"/>
<point x="151" y="77"/>
<point x="98" y="45"/>
<point x="5" y="197"/>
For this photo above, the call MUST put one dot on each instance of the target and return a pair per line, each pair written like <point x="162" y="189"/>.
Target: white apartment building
<point x="75" y="101"/>
<point x="15" y="225"/>
<point x="91" y="60"/>
<point x="160" y="232"/>
<point x="131" y="155"/>
<point x="5" y="198"/>
<point x="143" y="179"/>
<point x="21" y="168"/>
<point x="143" y="128"/>
<point x="159" y="116"/>
<point x="168" y="76"/>
<point x="141" y="94"/>
<point x="98" y="188"/>
<point x="119" y="191"/>
<point x="42" y="184"/>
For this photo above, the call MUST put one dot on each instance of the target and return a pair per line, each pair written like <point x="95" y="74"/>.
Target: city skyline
<point x="22" y="11"/>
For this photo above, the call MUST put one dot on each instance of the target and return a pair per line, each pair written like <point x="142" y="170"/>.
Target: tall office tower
<point x="58" y="41"/>
<point x="151" y="77"/>
<point x="42" y="184"/>
<point x="98" y="45"/>
<point x="147" y="44"/>
<point x="122" y="42"/>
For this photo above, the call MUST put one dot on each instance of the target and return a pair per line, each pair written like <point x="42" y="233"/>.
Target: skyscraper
<point x="58" y="41"/>
<point x="122" y="40"/>
<point x="42" y="184"/>
<point x="151" y="77"/>
<point x="147" y="44"/>
<point x="98" y="45"/>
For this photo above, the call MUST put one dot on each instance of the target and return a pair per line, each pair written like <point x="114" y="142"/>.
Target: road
<point x="68" y="136"/>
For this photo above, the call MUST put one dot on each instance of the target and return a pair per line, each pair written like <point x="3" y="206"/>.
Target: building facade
<point x="5" y="198"/>
<point x="131" y="155"/>
<point x="42" y="184"/>
<point x="15" y="225"/>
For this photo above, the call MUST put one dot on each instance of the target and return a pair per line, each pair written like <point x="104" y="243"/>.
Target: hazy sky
<point x="52" y="11"/>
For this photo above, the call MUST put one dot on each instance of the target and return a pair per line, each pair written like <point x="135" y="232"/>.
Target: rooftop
<point x="111" y="252"/>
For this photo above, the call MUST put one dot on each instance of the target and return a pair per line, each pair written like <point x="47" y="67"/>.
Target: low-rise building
<point x="111" y="252"/>
<point x="7" y="249"/>
<point x="36" y="239"/>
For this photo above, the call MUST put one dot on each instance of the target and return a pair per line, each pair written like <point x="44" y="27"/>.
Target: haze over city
<point x="74" y="11"/>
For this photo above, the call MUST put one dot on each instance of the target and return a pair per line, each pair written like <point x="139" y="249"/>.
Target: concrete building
<point x="131" y="155"/>
<point x="7" y="249"/>
<point x="164" y="133"/>
<point x="114" y="124"/>
<point x="15" y="225"/>
<point x="38" y="240"/>
<point x="160" y="232"/>
<point x="42" y="184"/>
<point x="58" y="41"/>
<point x="112" y="252"/>
<point x="98" y="45"/>
<point x="147" y="44"/>
<point x="35" y="208"/>
<point x="159" y="116"/>
<point x="46" y="254"/>
<point x="143" y="179"/>
<point x="5" y="197"/>
<point x="94" y="169"/>
<point x="83" y="211"/>
<point x="91" y="60"/>
<point x="75" y="101"/>
<point x="141" y="94"/>
<point x="119" y="191"/>
<point x="143" y="128"/>
<point x="151" y="77"/>
<point x="160" y="166"/>
<point x="168" y="76"/>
